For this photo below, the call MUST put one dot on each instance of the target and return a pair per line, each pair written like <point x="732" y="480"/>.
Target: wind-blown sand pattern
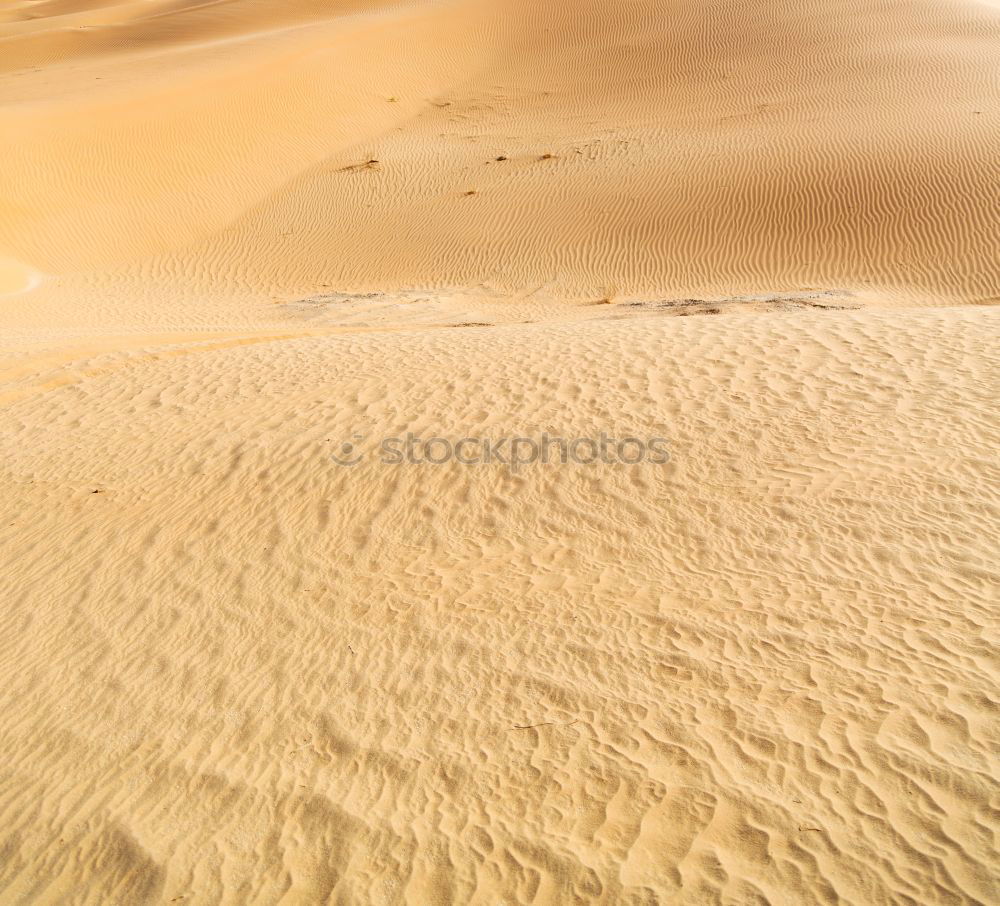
<point x="236" y="234"/>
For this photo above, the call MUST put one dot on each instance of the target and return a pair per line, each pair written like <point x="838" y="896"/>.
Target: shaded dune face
<point x="695" y="145"/>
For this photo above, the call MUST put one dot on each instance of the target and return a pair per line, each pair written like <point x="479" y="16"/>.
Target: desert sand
<point x="236" y="235"/>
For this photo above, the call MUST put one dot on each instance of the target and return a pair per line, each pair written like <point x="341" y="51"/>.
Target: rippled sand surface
<point x="237" y="236"/>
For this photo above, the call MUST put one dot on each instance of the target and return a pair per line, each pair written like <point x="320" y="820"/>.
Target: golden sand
<point x="237" y="235"/>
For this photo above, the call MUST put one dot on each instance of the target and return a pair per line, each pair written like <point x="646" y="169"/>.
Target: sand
<point x="238" y="235"/>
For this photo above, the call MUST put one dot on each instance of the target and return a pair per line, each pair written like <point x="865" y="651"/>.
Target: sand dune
<point x="237" y="235"/>
<point x="696" y="145"/>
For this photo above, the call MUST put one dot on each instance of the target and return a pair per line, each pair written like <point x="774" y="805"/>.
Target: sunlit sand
<point x="251" y="658"/>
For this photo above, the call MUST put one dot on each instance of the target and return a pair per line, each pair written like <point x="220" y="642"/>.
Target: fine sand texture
<point x="247" y="660"/>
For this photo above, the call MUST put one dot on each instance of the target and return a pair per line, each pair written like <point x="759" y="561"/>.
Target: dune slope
<point x="247" y="660"/>
<point x="697" y="145"/>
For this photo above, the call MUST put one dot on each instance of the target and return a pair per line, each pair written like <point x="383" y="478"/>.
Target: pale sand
<point x="235" y="672"/>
